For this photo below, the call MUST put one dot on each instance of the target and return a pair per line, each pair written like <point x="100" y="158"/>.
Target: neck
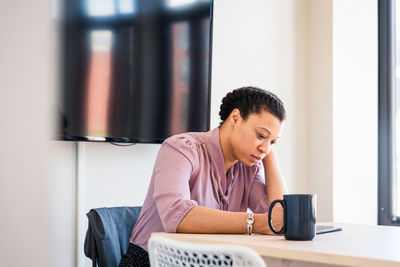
<point x="226" y="147"/>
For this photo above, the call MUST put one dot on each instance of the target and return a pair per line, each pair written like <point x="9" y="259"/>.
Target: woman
<point x="205" y="182"/>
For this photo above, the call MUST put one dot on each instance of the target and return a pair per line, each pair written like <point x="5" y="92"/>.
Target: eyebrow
<point x="265" y="129"/>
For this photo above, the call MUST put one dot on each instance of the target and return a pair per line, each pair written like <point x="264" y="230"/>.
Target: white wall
<point x="342" y="114"/>
<point x="36" y="173"/>
<point x="115" y="176"/>
<point x="342" y="109"/>
<point x="355" y="109"/>
<point x="319" y="103"/>
<point x="60" y="204"/>
<point x="255" y="44"/>
<point x="26" y="122"/>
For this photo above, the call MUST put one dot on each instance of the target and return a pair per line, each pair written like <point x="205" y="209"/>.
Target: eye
<point x="261" y="136"/>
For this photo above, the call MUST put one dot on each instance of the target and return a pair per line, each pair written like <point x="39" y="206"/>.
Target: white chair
<point x="166" y="252"/>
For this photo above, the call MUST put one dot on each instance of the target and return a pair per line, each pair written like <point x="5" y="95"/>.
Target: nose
<point x="264" y="148"/>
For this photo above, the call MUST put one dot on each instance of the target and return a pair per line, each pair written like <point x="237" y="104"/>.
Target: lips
<point x="255" y="159"/>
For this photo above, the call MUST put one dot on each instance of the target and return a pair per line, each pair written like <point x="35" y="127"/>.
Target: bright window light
<point x="95" y="138"/>
<point x="100" y="7"/>
<point x="125" y="6"/>
<point x="101" y="40"/>
<point x="178" y="3"/>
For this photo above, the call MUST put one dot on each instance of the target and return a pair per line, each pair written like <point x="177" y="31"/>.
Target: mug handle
<point x="283" y="230"/>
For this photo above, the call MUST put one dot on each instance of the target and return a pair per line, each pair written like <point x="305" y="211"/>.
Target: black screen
<point x="135" y="70"/>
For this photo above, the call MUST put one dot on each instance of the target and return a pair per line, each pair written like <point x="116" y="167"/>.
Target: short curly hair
<point x="251" y="100"/>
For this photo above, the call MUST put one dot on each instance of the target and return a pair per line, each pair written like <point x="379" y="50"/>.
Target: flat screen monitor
<point x="135" y="71"/>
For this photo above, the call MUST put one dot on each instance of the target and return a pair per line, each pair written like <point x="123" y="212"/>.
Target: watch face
<point x="250" y="219"/>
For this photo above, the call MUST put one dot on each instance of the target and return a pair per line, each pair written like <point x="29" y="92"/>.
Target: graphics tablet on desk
<point x="323" y="229"/>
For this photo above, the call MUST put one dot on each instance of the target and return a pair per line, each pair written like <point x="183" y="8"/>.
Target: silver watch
<point x="250" y="221"/>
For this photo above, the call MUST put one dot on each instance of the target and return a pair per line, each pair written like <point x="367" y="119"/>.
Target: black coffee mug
<point x="298" y="216"/>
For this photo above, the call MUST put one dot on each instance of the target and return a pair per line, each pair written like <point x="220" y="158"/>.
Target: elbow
<point x="172" y="216"/>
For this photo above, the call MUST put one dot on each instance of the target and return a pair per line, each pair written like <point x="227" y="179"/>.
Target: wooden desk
<point x="355" y="245"/>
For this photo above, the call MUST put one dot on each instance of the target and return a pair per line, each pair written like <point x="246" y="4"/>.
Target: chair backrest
<point x="107" y="237"/>
<point x="165" y="252"/>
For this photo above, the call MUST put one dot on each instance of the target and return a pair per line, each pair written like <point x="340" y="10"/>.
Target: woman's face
<point x="252" y="140"/>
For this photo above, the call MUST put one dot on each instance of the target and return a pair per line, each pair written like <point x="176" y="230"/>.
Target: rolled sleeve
<point x="258" y="201"/>
<point x="171" y="185"/>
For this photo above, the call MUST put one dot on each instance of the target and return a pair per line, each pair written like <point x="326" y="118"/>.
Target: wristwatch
<point x="250" y="221"/>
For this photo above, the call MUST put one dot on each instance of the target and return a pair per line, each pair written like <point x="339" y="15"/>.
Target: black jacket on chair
<point x="107" y="237"/>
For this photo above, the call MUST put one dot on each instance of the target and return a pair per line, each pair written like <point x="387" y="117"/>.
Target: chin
<point x="247" y="163"/>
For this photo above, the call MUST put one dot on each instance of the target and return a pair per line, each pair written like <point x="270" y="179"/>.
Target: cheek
<point x="246" y="142"/>
<point x="247" y="135"/>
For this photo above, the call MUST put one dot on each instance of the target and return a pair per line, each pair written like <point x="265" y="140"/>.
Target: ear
<point x="235" y="115"/>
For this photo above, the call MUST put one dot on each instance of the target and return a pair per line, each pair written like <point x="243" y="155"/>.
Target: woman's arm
<point x="275" y="184"/>
<point x="206" y="220"/>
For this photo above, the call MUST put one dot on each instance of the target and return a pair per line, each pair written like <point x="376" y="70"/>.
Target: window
<point x="389" y="112"/>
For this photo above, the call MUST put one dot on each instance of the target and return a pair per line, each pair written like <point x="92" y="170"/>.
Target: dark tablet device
<point x="323" y="229"/>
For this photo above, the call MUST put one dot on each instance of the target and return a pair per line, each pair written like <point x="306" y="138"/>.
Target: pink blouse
<point x="190" y="171"/>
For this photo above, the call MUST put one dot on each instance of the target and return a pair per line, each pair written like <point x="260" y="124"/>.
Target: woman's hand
<point x="261" y="221"/>
<point x="276" y="219"/>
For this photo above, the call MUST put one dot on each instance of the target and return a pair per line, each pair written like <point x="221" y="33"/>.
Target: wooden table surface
<point x="355" y="245"/>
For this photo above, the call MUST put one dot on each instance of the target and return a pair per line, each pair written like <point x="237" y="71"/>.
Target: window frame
<point x="386" y="110"/>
